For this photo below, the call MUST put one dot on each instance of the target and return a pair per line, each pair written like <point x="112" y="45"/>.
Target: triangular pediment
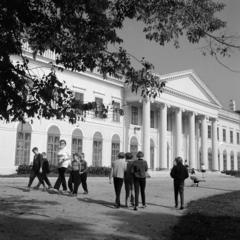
<point x="189" y="84"/>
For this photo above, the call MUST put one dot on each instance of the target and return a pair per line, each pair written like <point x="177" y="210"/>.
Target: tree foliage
<point x="79" y="32"/>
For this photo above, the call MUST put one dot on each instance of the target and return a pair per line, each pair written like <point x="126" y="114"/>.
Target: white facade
<point x="186" y="120"/>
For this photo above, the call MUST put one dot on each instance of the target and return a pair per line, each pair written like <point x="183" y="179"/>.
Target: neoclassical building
<point x="186" y="120"/>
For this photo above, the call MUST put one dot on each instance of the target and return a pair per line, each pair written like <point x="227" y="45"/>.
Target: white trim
<point x="16" y="125"/>
<point x="115" y="133"/>
<point x="54" y="124"/>
<point x="97" y="92"/>
<point x="117" y="98"/>
<point x="72" y="130"/>
<point x="80" y="88"/>
<point x="134" y="135"/>
<point x="154" y="141"/>
<point x="98" y="130"/>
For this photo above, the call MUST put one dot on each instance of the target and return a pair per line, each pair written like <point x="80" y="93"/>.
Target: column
<point x="178" y="122"/>
<point x="214" y="146"/>
<point x="126" y="126"/>
<point x="185" y="139"/>
<point x="163" y="137"/>
<point x="204" y="150"/>
<point x="192" y="155"/>
<point x="197" y="163"/>
<point x="221" y="161"/>
<point x="146" y="129"/>
<point x="169" y="127"/>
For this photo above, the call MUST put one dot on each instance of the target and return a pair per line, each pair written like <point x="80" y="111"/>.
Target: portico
<point x="181" y="125"/>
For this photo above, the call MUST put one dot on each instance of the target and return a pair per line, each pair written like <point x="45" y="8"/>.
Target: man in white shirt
<point x="64" y="157"/>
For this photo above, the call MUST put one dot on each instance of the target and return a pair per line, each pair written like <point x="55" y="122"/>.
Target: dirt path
<point x="38" y="215"/>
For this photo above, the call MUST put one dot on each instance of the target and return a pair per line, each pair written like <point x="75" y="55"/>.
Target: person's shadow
<point x="158" y="205"/>
<point x="101" y="202"/>
<point x="20" y="188"/>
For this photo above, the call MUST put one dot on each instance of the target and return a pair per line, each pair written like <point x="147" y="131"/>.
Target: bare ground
<point x="43" y="215"/>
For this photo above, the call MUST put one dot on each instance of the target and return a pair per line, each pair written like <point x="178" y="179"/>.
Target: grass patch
<point x="212" y="218"/>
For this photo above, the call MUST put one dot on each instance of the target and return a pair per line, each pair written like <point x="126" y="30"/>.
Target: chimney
<point x="232" y="105"/>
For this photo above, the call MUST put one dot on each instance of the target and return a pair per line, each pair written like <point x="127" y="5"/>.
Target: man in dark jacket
<point x="179" y="173"/>
<point x="36" y="169"/>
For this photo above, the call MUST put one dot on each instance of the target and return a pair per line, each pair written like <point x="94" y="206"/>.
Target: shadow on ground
<point x="214" y="218"/>
<point x="29" y="219"/>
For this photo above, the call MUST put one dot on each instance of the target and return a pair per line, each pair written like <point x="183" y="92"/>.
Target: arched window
<point x="134" y="147"/>
<point x="232" y="160"/>
<point x="97" y="149"/>
<point x="238" y="161"/>
<point x="77" y="141"/>
<point x="151" y="154"/>
<point x="209" y="159"/>
<point x="115" y="147"/>
<point x="224" y="160"/>
<point x="23" y="144"/>
<point x="53" y="144"/>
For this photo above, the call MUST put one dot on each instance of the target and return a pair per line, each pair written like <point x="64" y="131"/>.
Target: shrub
<point x="94" y="171"/>
<point x="24" y="169"/>
<point x="232" y="172"/>
<point x="104" y="171"/>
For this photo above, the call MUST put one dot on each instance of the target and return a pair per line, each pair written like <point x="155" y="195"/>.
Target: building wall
<point x="92" y="85"/>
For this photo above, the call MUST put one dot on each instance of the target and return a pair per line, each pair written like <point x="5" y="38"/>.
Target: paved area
<point x="42" y="215"/>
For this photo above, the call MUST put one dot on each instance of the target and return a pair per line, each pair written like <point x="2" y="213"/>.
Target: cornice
<point x="94" y="74"/>
<point x="200" y="84"/>
<point x="221" y="116"/>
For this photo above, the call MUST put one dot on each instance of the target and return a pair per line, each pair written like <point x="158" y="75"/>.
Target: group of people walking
<point x="124" y="169"/>
<point x="78" y="174"/>
<point x="133" y="174"/>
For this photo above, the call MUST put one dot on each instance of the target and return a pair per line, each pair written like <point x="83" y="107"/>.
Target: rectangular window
<point x="238" y="138"/>
<point x="52" y="149"/>
<point x="210" y="161"/>
<point x="54" y="104"/>
<point x="224" y="162"/>
<point x="99" y="108"/>
<point x="116" y="115"/>
<point x="152" y="119"/>
<point x="209" y="132"/>
<point x="238" y="162"/>
<point x="115" y="150"/>
<point x="76" y="145"/>
<point x="23" y="148"/>
<point x="152" y="158"/>
<point x="134" y="115"/>
<point x="168" y="123"/>
<point x="232" y="162"/>
<point x="224" y="135"/>
<point x="97" y="153"/>
<point x="80" y="97"/>
<point x="218" y="134"/>
<point x="231" y="136"/>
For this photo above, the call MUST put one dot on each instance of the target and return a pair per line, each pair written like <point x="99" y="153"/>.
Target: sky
<point x="224" y="83"/>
